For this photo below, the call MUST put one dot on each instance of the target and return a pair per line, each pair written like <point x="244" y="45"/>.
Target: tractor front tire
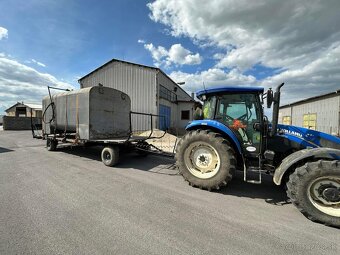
<point x="205" y="159"/>
<point x="314" y="189"/>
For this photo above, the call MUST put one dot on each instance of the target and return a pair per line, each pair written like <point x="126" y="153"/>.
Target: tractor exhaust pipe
<point x="276" y="107"/>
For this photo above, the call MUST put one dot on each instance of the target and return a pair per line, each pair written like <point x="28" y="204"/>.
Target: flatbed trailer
<point x="98" y="116"/>
<point x="112" y="147"/>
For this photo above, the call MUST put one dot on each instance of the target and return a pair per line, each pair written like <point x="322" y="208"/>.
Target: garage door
<point x="164" y="122"/>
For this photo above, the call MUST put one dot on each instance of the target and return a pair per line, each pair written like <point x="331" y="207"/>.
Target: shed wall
<point x="327" y="112"/>
<point x="136" y="81"/>
<point x="175" y="122"/>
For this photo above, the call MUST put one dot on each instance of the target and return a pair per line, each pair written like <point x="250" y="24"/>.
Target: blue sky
<point x="219" y="43"/>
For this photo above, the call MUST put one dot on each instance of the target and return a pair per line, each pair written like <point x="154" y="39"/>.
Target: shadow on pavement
<point x="268" y="191"/>
<point x="150" y="163"/>
<point x="3" y="150"/>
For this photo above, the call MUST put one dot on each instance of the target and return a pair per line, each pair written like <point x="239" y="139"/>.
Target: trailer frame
<point x="111" y="147"/>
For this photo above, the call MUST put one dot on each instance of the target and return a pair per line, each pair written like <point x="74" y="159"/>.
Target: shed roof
<point x="117" y="60"/>
<point x="29" y="105"/>
<point x="34" y="106"/>
<point x="311" y="99"/>
<point x="131" y="63"/>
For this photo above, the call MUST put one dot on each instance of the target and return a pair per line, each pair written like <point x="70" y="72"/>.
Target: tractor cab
<point x="240" y="110"/>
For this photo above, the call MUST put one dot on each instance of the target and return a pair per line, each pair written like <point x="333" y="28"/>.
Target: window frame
<point x="186" y="112"/>
<point x="284" y="122"/>
<point x="307" y="119"/>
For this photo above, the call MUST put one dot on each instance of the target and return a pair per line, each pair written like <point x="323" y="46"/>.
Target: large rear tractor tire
<point x="314" y="189"/>
<point x="205" y="159"/>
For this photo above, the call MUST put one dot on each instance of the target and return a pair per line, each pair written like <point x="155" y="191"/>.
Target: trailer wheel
<point x="51" y="144"/>
<point x="205" y="159"/>
<point x="314" y="189"/>
<point x="110" y="155"/>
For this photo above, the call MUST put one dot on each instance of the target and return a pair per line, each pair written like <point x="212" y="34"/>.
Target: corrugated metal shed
<point x="322" y="111"/>
<point x="142" y="83"/>
<point x="136" y="81"/>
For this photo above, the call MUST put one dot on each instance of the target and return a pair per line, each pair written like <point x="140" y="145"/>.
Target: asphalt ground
<point x="68" y="202"/>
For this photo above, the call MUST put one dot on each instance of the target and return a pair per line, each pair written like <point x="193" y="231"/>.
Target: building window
<point x="20" y="112"/>
<point x="286" y="120"/>
<point x="185" y="115"/>
<point x="309" y="121"/>
<point x="167" y="94"/>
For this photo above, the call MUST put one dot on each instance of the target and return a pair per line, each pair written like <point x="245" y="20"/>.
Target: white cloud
<point x="177" y="55"/>
<point x="301" y="38"/>
<point x="275" y="33"/>
<point x="19" y="82"/>
<point x="141" y="41"/>
<point x="158" y="53"/>
<point x="318" y="77"/>
<point x="211" y="78"/>
<point x="3" y="33"/>
<point x="38" y="63"/>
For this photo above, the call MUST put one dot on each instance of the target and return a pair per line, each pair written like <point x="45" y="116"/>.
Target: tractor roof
<point x="232" y="89"/>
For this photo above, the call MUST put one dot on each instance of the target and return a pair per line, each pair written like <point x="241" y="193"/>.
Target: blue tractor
<point x="232" y="133"/>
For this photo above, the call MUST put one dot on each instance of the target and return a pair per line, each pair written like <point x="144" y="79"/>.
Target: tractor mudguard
<point x="218" y="126"/>
<point x="294" y="158"/>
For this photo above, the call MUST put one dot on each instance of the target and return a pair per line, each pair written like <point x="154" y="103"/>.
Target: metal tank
<point x="90" y="113"/>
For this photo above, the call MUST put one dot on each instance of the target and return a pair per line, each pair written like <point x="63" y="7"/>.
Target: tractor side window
<point x="209" y="108"/>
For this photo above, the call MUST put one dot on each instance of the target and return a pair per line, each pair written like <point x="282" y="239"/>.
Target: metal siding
<point x="327" y="111"/>
<point x="284" y="112"/>
<point x="136" y="81"/>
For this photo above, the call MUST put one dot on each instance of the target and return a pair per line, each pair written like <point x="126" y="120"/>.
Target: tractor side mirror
<point x="270" y="98"/>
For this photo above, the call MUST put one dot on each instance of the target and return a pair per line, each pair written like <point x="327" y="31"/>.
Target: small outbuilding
<point x="321" y="113"/>
<point x="24" y="110"/>
<point x="20" y="116"/>
<point x="150" y="90"/>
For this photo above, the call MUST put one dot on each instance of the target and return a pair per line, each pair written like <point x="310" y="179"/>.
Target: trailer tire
<point x="314" y="189"/>
<point x="51" y="144"/>
<point x="205" y="159"/>
<point x="110" y="155"/>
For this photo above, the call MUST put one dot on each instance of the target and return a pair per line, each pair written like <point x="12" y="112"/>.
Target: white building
<point x="150" y="90"/>
<point x="320" y="113"/>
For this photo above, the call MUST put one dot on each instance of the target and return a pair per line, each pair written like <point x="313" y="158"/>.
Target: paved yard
<point x="68" y="202"/>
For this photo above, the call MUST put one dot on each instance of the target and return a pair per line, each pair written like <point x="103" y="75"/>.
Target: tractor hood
<point x="308" y="137"/>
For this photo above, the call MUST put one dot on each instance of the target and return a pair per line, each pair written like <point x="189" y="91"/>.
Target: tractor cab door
<point x="240" y="112"/>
